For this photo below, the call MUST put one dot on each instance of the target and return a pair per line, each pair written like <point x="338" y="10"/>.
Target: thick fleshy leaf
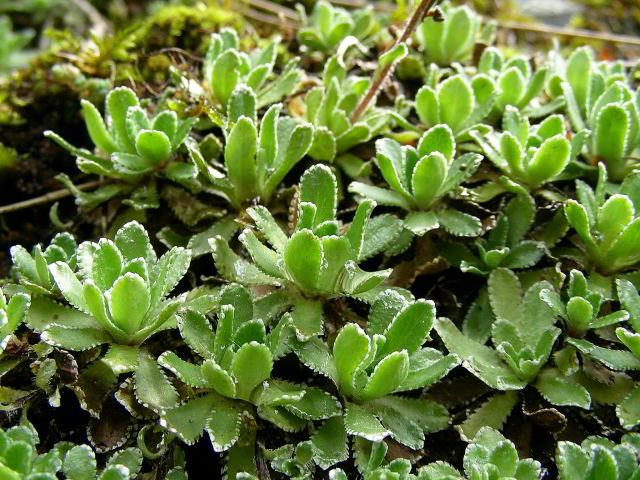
<point x="551" y="159"/>
<point x="218" y="378"/>
<point x="268" y="226"/>
<point x="80" y="463"/>
<point x="492" y="413"/>
<point x="351" y="347"/>
<point x="459" y="223"/>
<point x="560" y="390"/>
<point x="97" y="129"/>
<point x="409" y="328"/>
<point x="628" y="410"/>
<point x="329" y="443"/>
<point x="427" y="179"/>
<point x="153" y="146"/>
<point x="455" y="98"/>
<point x="318" y="185"/>
<point x="610" y="133"/>
<point x="427" y="106"/>
<point x="185" y="371"/>
<point x="251" y="365"/>
<point x="388" y="375"/>
<point x="223" y="426"/>
<point x="129" y="301"/>
<point x="479" y="359"/>
<point x="188" y="420"/>
<point x="152" y="388"/>
<point x="362" y="423"/>
<point x="242" y="103"/>
<point x="197" y="333"/>
<point x="438" y="139"/>
<point x="303" y="258"/>
<point x="69" y="285"/>
<point x="614" y="359"/>
<point x="118" y="102"/>
<point x="426" y="367"/>
<point x="239" y="158"/>
<point x="390" y="159"/>
<point x="235" y="268"/>
<point x="75" y="338"/>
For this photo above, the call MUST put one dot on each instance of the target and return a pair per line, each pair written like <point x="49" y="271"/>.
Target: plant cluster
<point x="382" y="268"/>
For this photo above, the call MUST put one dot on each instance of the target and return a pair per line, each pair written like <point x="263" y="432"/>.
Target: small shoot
<point x="420" y="179"/>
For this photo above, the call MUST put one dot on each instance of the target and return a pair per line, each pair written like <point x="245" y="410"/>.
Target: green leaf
<point x="459" y="223"/>
<point x="236" y="269"/>
<point x="409" y="328"/>
<point x="152" y="388"/>
<point x="359" y="421"/>
<point x="188" y="420"/>
<point x="128" y="457"/>
<point x="560" y="390"/>
<point x="512" y="84"/>
<point x="492" y="413"/>
<point x="614" y="359"/>
<point x="239" y="158"/>
<point x="242" y="103"/>
<point x="119" y="100"/>
<point x="129" y="301"/>
<point x="79" y="463"/>
<point x="223" y="425"/>
<point x="264" y="258"/>
<point x="505" y="295"/>
<point x="610" y="133"/>
<point x="218" y="378"/>
<point x="315" y="404"/>
<point x="420" y="223"/>
<point x="427" y="106"/>
<point x="388" y="375"/>
<point x="318" y="185"/>
<point x="76" y="339"/>
<point x="294" y="141"/>
<point x="427" y="179"/>
<point x="121" y="358"/>
<point x="390" y="159"/>
<point x="572" y="461"/>
<point x="251" y="365"/>
<point x="314" y="353"/>
<point x="602" y="464"/>
<point x="153" y="146"/>
<point x="329" y="443"/>
<point x="438" y="139"/>
<point x="630" y="300"/>
<point x="107" y="264"/>
<point x="197" y="333"/>
<point x="455" y="98"/>
<point x="351" y="347"/>
<point x="628" y="411"/>
<point x="551" y="159"/>
<point x="97" y="129"/>
<point x="578" y="219"/>
<point x="426" y="367"/>
<point x="303" y="258"/>
<point x="69" y="285"/>
<point x="480" y="360"/>
<point x="187" y="372"/>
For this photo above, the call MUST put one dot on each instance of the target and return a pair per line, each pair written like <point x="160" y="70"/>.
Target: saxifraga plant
<point x="130" y="146"/>
<point x="420" y="178"/>
<point x="317" y="261"/>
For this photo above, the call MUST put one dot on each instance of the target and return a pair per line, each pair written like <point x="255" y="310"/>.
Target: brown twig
<point x="275" y="8"/>
<point x="50" y="197"/>
<point x="423" y="10"/>
<point x="570" y="32"/>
